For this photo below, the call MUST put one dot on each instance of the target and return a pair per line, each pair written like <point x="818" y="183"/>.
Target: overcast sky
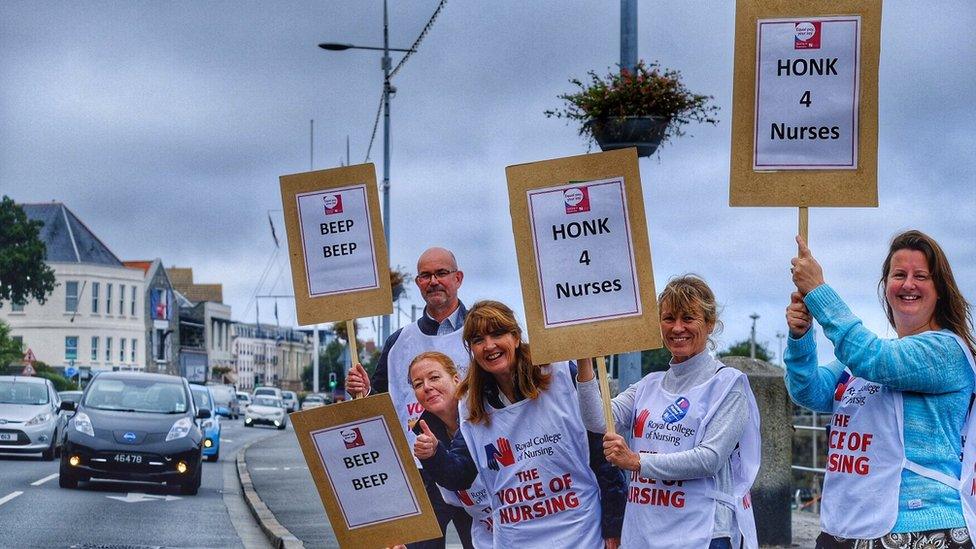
<point x="165" y="125"/>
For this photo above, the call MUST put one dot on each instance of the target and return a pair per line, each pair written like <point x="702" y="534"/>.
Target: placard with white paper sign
<point x="339" y="264"/>
<point x="585" y="254"/>
<point x="805" y="103"/>
<point x="365" y="474"/>
<point x="807" y="73"/>
<point x="337" y="240"/>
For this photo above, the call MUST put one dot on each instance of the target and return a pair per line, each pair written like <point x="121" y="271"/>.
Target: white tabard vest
<point x="967" y="485"/>
<point x="476" y="501"/>
<point x="866" y="453"/>
<point x="865" y="456"/>
<point x="408" y="345"/>
<point x="681" y="513"/>
<point x="534" y="460"/>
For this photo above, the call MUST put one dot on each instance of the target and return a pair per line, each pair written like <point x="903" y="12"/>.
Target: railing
<point x="807" y="434"/>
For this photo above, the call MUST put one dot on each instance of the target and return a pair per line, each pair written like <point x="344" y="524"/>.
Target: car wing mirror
<point x="68" y="406"/>
<point x="204" y="413"/>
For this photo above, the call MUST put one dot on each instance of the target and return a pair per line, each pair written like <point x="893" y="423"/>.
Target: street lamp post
<point x="780" y="336"/>
<point x="752" y="336"/>
<point x="388" y="90"/>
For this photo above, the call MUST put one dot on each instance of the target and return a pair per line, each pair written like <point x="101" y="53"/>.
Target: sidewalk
<point x="283" y="498"/>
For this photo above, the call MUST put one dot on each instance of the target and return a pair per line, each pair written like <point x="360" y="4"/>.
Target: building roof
<point x="139" y="264"/>
<point x="67" y="239"/>
<point x="182" y="281"/>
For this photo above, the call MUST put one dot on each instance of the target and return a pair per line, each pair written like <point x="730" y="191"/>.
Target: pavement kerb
<point x="279" y="536"/>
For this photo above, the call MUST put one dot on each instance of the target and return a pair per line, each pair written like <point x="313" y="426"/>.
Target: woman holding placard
<point x="435" y="380"/>
<point x="898" y="406"/>
<point x="522" y="435"/>
<point x="695" y="446"/>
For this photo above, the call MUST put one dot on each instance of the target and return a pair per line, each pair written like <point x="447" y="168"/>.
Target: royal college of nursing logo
<point x="676" y="410"/>
<point x="640" y="422"/>
<point x="806" y="35"/>
<point x="465" y="497"/>
<point x="501" y="455"/>
<point x="333" y="203"/>
<point x="352" y="438"/>
<point x="577" y="200"/>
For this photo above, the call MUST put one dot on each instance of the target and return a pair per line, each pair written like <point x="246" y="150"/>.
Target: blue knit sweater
<point x="936" y="381"/>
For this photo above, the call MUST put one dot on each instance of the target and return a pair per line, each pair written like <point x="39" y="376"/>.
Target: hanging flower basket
<point x="644" y="132"/>
<point x="642" y="108"/>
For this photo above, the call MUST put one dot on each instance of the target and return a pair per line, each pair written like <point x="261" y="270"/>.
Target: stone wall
<point x="771" y="492"/>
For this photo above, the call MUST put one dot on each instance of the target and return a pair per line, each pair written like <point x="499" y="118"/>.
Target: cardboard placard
<point x="339" y="264"/>
<point x="805" y="103"/>
<point x="365" y="474"/>
<point x="584" y="256"/>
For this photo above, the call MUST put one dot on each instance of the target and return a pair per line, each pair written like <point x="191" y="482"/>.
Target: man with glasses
<point x="438" y="329"/>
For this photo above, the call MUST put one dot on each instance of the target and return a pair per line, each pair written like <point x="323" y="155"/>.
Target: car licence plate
<point x="8" y="436"/>
<point x="128" y="458"/>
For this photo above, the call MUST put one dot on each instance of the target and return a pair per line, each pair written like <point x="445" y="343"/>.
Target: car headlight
<point x="179" y="429"/>
<point x="209" y="424"/>
<point x="83" y="424"/>
<point x="39" y="418"/>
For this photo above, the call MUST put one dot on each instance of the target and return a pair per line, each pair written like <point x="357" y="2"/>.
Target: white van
<point x="269" y="391"/>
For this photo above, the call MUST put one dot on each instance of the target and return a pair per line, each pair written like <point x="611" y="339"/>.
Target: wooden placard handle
<point x="804" y="224"/>
<point x="353" y="351"/>
<point x="601" y="366"/>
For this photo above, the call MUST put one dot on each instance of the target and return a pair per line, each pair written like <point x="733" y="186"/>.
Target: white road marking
<point x="9" y="497"/>
<point x="45" y="479"/>
<point x="137" y="497"/>
<point x="278" y="468"/>
<point x="227" y="439"/>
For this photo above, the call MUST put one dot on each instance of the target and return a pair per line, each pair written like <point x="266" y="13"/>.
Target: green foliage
<point x="646" y="92"/>
<point x="23" y="273"/>
<point x="741" y="348"/>
<point x="60" y="382"/>
<point x="655" y="360"/>
<point x="10" y="350"/>
<point x="331" y="359"/>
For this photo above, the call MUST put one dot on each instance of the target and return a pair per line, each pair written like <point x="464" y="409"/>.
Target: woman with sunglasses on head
<point x="521" y="433"/>
<point x="694" y="448"/>
<point x="898" y="406"/>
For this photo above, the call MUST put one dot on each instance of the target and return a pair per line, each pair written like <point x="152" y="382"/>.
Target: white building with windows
<point x="270" y="355"/>
<point x="94" y="319"/>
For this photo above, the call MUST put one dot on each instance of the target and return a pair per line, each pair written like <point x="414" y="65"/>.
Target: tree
<point x="741" y="348"/>
<point x="655" y="360"/>
<point x="23" y="272"/>
<point x="330" y="360"/>
<point x="10" y="350"/>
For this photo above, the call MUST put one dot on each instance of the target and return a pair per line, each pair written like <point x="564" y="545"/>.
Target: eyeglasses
<point x="426" y="277"/>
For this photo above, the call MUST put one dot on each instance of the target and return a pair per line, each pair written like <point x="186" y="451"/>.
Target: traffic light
<point x="332" y="380"/>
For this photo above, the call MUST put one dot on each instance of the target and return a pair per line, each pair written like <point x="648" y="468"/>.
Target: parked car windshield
<point x="20" y="392"/>
<point x="136" y="395"/>
<point x="265" y="391"/>
<point x="314" y="398"/>
<point x="242" y="397"/>
<point x="70" y="396"/>
<point x="267" y="401"/>
<point x="201" y="397"/>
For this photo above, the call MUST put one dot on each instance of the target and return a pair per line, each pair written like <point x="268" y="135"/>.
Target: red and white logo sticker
<point x="577" y="200"/>
<point x="352" y="438"/>
<point x="807" y="35"/>
<point x="333" y="203"/>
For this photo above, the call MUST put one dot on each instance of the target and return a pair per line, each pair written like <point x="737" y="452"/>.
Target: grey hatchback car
<point x="30" y="418"/>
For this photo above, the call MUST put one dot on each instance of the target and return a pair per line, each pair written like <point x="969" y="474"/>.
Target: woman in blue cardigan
<point x="898" y="406"/>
